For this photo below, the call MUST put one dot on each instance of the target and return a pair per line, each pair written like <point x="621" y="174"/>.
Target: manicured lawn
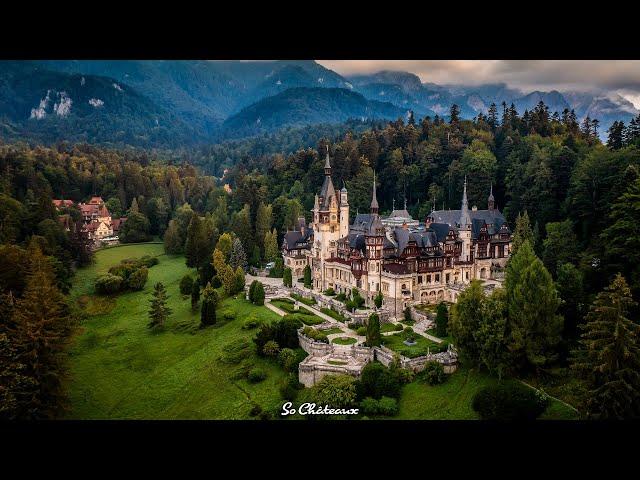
<point x="344" y="340"/>
<point x="395" y="343"/>
<point x="388" y="327"/>
<point x="452" y="399"/>
<point x="331" y="331"/>
<point x="119" y="369"/>
<point x="447" y="339"/>
<point x="333" y="314"/>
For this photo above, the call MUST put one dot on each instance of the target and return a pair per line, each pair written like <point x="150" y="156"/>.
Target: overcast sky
<point x="620" y="76"/>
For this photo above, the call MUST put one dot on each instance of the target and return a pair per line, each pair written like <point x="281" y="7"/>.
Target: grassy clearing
<point x="344" y="340"/>
<point x="452" y="399"/>
<point x="119" y="369"/>
<point x="422" y="347"/>
<point x="331" y="331"/>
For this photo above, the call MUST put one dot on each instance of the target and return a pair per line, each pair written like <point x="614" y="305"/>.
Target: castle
<point x="406" y="261"/>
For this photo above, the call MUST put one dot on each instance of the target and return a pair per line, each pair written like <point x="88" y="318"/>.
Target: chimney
<point x="474" y="208"/>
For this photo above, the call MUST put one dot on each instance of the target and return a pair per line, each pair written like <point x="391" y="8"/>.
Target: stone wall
<point x="448" y="359"/>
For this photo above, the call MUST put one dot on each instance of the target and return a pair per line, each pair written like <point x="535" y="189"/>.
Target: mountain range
<point x="170" y="103"/>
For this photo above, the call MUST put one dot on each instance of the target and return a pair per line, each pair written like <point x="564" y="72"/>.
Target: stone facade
<point x="407" y="264"/>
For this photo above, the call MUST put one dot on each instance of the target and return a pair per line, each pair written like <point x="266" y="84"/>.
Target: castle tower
<point x="374" y="240"/>
<point x="326" y="225"/>
<point x="465" y="228"/>
<point x="344" y="212"/>
<point x="491" y="202"/>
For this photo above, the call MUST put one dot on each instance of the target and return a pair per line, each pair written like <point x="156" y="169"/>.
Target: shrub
<point x="138" y="279"/>
<point x="316" y="335"/>
<point x="271" y="349"/>
<point x="289" y="387"/>
<point x="369" y="406"/>
<point x="378" y="381"/>
<point x="361" y="330"/>
<point x="258" y="294"/>
<point x="255" y="411"/>
<point x="287" y="279"/>
<point x="433" y="373"/>
<point x="407" y="315"/>
<point x="509" y="401"/>
<point x="216" y="282"/>
<point x="108" y="284"/>
<point x="330" y="292"/>
<point x="341" y="297"/>
<point x="283" y="331"/>
<point x="236" y="351"/>
<point x="186" y="284"/>
<point x="251" y="323"/>
<point x="288" y="358"/>
<point x="252" y="290"/>
<point x="256" y="375"/>
<point x="398" y="327"/>
<point x="387" y="406"/>
<point x="228" y="315"/>
<point x="149" y="261"/>
<point x="378" y="300"/>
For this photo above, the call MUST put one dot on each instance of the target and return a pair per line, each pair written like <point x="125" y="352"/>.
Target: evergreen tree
<point x="134" y="207"/>
<point x="173" y="242"/>
<point x="197" y="243"/>
<point x="252" y="290"/>
<point x="374" y="337"/>
<point x="442" y="320"/>
<point x="522" y="232"/>
<point x="532" y="301"/>
<point x="616" y="135"/>
<point x="241" y="226"/>
<point x="287" y="278"/>
<point x="258" y="294"/>
<point x="492" y="119"/>
<point x="81" y="245"/>
<point x="209" y="305"/>
<point x="238" y="257"/>
<point x="454" y="114"/>
<point x="159" y="312"/>
<point x="228" y="278"/>
<point x="466" y="315"/>
<point x="621" y="239"/>
<point x="307" y="276"/>
<point x="195" y="294"/>
<point x="491" y="335"/>
<point x="570" y="287"/>
<point x="37" y="335"/>
<point x="609" y="357"/>
<point x="560" y="246"/>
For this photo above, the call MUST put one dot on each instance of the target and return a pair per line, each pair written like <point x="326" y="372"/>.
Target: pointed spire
<point x="327" y="164"/>
<point x="316" y="205"/>
<point x="405" y="202"/>
<point x="393" y="207"/>
<point x="465" y="218"/>
<point x="374" y="200"/>
<point x="491" y="201"/>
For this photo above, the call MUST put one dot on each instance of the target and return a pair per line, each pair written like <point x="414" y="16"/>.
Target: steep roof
<point x="452" y="217"/>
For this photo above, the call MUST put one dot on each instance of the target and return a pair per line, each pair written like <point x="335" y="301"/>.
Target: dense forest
<point x="575" y="200"/>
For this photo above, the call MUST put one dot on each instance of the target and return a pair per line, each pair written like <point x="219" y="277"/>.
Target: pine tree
<point x="493" y="116"/>
<point x="81" y="244"/>
<point x="197" y="244"/>
<point x="225" y="243"/>
<point x="37" y="335"/>
<point x="454" y="114"/>
<point x="228" y="278"/>
<point x="264" y="221"/>
<point x="134" y="206"/>
<point x="238" y="257"/>
<point x="616" y="137"/>
<point x="258" y="294"/>
<point x="378" y="300"/>
<point x="609" y="357"/>
<point x="195" y="294"/>
<point x="159" y="312"/>
<point x="442" y="319"/>
<point x="209" y="305"/>
<point x="532" y="301"/>
<point x="374" y="337"/>
<point x="287" y="277"/>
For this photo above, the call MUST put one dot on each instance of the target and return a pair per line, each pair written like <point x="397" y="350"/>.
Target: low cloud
<point x="622" y="76"/>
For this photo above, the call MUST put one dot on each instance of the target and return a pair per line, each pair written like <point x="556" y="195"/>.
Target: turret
<point x="465" y="218"/>
<point x="344" y="212"/>
<point x="374" y="199"/>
